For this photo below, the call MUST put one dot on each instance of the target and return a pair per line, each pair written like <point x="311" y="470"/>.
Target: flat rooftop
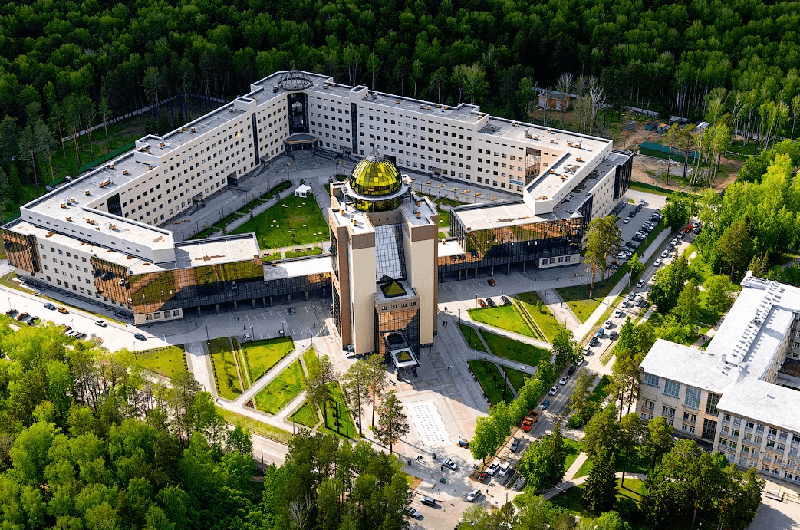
<point x="450" y="248"/>
<point x="216" y="251"/>
<point x="179" y="137"/>
<point x="486" y="216"/>
<point x="688" y="365"/>
<point x="776" y="405"/>
<point x="299" y="267"/>
<point x="71" y="200"/>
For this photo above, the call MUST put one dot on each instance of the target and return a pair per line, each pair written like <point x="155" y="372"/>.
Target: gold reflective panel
<point x="375" y="176"/>
<point x="111" y="280"/>
<point x="21" y="250"/>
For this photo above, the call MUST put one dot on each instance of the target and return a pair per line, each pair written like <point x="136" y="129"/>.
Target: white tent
<point x="302" y="190"/>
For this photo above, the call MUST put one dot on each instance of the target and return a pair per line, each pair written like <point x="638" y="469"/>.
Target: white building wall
<point x="362" y="298"/>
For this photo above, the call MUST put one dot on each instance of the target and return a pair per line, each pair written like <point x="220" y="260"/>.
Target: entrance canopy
<point x="300" y="139"/>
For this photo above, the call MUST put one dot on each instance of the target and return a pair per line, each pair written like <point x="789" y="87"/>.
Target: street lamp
<point x="476" y="300"/>
<point x="283" y="329"/>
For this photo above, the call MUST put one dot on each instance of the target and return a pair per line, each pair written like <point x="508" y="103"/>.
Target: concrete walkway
<point x="568" y="481"/>
<point x="265" y="379"/>
<point x="510" y="334"/>
<point x="561" y="311"/>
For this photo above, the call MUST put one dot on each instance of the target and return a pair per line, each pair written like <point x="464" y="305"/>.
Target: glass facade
<point x="197" y="286"/>
<point x="389" y="258"/>
<point x="393" y="322"/>
<point x="512" y="244"/>
<point x="22" y="251"/>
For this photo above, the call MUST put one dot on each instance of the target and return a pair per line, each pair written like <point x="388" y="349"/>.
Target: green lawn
<point x="264" y="354"/>
<point x="472" y="338"/>
<point x="577" y="296"/>
<point x="503" y="317"/>
<point x="167" y="361"/>
<point x="514" y="350"/>
<point x="228" y="384"/>
<point x="346" y="427"/>
<point x="310" y="358"/>
<point x="572" y="499"/>
<point x="444" y="218"/>
<point x="600" y="392"/>
<point x="574" y="449"/>
<point x="543" y="318"/>
<point x="517" y="377"/>
<point x="293" y="221"/>
<point x="255" y="426"/>
<point x="634" y="465"/>
<point x="314" y="251"/>
<point x="491" y="381"/>
<point x="306" y="415"/>
<point x="281" y="390"/>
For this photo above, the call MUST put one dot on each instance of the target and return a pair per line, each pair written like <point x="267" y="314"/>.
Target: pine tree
<point x="392" y="421"/>
<point x="600" y="492"/>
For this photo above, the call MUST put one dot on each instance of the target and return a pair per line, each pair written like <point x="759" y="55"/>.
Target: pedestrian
<point x="441" y="468"/>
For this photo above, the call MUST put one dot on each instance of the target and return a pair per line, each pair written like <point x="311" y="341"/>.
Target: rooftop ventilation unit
<point x="124" y="171"/>
<point x="69" y="219"/>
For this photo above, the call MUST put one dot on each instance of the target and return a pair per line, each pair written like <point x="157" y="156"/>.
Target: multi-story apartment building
<point x="105" y="236"/>
<point x="735" y="396"/>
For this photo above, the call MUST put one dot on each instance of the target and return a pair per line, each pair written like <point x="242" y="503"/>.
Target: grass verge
<point x="540" y="314"/>
<point x="503" y="317"/>
<point x="256" y="427"/>
<point x="514" y="350"/>
<point x="574" y="449"/>
<point x="167" y="361"/>
<point x="281" y="390"/>
<point x="491" y="381"/>
<point x="228" y="384"/>
<point x="306" y="415"/>
<point x="516" y="377"/>
<point x="471" y="336"/>
<point x="346" y="427"/>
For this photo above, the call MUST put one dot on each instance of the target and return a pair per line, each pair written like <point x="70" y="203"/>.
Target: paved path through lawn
<point x="265" y="379"/>
<point x="199" y="362"/>
<point x="511" y="335"/>
<point x="561" y="311"/>
<point x="566" y="484"/>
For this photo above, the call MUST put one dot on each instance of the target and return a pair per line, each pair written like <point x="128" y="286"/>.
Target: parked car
<point x="49" y="306"/>
<point x="514" y="445"/>
<point x="491" y="302"/>
<point x="571" y="369"/>
<point x="12" y="313"/>
<point x="247" y="337"/>
<point x="640" y="283"/>
<point x="463" y="443"/>
<point x="448" y="463"/>
<point x="665" y="254"/>
<point x="428" y="501"/>
<point x="474" y="494"/>
<point x="626" y="221"/>
<point x="553" y="390"/>
<point x="80" y="335"/>
<point x="492" y="469"/>
<point x="62" y="310"/>
<point x="413" y="512"/>
<point x="506" y="300"/>
<point x="609" y="324"/>
<point x="139" y="336"/>
<point x="601" y="332"/>
<point x="504" y="469"/>
<point x="594" y="341"/>
<point x="658" y="262"/>
<point x="101" y="323"/>
<point x="490" y="281"/>
<point x="481" y="302"/>
<point x="613" y="335"/>
<point x="562" y="381"/>
<point x="545" y="404"/>
<point x="619" y="313"/>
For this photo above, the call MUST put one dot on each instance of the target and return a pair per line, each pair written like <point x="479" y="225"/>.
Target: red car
<point x="481" y="302"/>
<point x="490" y="281"/>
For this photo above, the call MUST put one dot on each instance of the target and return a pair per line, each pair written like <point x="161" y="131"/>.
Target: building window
<point x="650" y="379"/>
<point x="711" y="403"/>
<point x="692" y="397"/>
<point x="671" y="388"/>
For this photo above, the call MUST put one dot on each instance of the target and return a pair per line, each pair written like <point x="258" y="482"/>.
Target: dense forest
<point x="65" y="65"/>
<point x="89" y="441"/>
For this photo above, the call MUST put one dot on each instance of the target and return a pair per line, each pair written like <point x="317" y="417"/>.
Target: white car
<point x="472" y="495"/>
<point x="448" y="463"/>
<point x="665" y="254"/>
<point x="562" y="381"/>
<point x="640" y="283"/>
<point x="619" y="313"/>
<point x="626" y="220"/>
<point x="553" y="390"/>
<point x="101" y="323"/>
<point x="492" y="469"/>
<point x="658" y="262"/>
<point x="609" y="324"/>
<point x="413" y="512"/>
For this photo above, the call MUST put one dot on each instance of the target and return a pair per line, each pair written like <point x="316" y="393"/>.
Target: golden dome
<point x="375" y="176"/>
